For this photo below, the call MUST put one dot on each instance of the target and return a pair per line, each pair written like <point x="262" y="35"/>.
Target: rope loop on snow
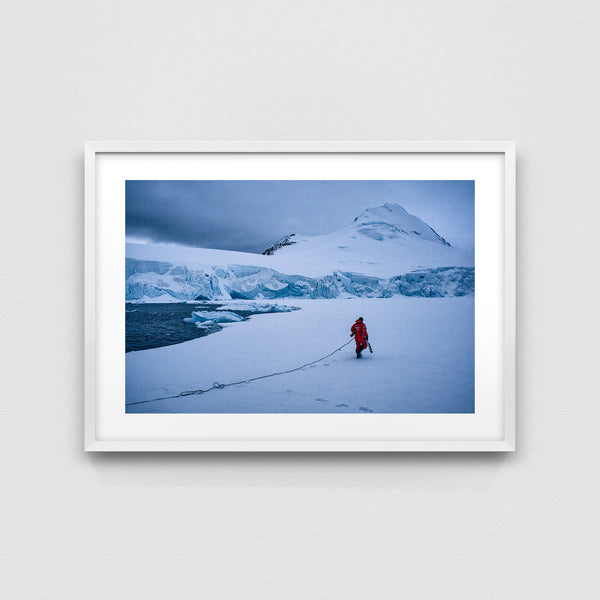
<point x="183" y="394"/>
<point x="219" y="386"/>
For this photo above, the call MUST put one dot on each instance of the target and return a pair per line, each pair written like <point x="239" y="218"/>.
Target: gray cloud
<point x="250" y="215"/>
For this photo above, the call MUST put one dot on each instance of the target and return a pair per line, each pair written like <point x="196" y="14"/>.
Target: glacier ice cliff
<point x="147" y="280"/>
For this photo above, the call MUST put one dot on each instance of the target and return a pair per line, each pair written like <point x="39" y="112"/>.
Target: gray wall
<point x="414" y="526"/>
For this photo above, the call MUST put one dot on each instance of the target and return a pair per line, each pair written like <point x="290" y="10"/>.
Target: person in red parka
<point x="359" y="331"/>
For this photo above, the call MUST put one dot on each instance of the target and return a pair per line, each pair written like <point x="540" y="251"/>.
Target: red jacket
<point x="359" y="329"/>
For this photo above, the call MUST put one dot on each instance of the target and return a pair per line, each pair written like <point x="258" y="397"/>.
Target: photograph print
<point x="299" y="296"/>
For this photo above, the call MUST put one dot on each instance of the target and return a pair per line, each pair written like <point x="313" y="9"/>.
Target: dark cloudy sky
<point x="250" y="215"/>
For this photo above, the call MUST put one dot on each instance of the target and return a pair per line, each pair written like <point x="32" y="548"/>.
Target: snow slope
<point x="367" y="257"/>
<point x="381" y="242"/>
<point x="423" y="361"/>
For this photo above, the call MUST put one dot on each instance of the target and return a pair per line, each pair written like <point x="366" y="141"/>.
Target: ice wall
<point x="147" y="280"/>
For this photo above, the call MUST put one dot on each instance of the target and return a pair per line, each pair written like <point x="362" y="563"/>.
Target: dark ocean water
<point x="156" y="325"/>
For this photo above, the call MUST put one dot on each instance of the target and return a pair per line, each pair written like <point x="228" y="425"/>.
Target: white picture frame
<point x="491" y="163"/>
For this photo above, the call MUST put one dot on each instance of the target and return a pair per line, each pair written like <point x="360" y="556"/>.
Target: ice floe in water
<point x="211" y="320"/>
<point x="257" y="307"/>
<point x="208" y="317"/>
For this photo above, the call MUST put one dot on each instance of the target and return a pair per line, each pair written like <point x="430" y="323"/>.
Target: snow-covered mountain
<point x="384" y="251"/>
<point x="387" y="222"/>
<point x="382" y="241"/>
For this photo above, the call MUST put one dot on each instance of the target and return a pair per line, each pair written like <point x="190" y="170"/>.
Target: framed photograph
<point x="299" y="296"/>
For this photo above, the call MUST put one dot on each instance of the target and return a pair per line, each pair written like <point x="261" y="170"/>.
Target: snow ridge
<point x="284" y="241"/>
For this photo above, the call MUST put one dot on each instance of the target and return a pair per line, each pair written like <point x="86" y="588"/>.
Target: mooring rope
<point x="219" y="386"/>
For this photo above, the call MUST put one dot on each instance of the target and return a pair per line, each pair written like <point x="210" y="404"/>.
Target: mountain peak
<point x="390" y="221"/>
<point x="388" y="211"/>
<point x="393" y="221"/>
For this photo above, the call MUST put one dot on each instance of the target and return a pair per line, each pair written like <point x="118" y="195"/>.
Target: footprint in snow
<point x="365" y="409"/>
<point x="320" y="400"/>
<point x="341" y="406"/>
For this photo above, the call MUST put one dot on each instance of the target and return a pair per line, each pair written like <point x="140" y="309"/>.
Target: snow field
<point x="423" y="361"/>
